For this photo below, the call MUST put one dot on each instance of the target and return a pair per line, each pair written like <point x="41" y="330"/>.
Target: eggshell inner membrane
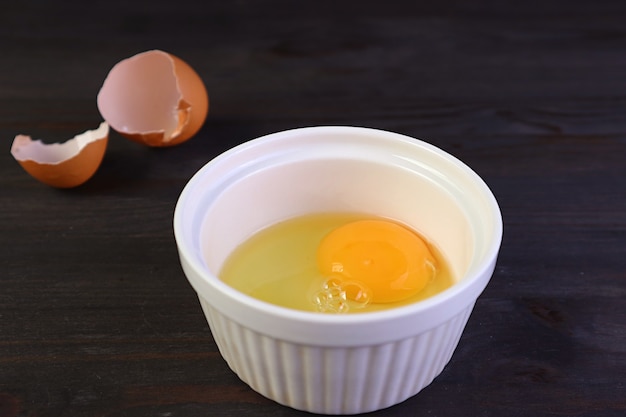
<point x="146" y="99"/>
<point x="66" y="164"/>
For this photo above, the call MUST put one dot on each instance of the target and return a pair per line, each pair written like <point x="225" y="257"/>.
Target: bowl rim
<point x="302" y="326"/>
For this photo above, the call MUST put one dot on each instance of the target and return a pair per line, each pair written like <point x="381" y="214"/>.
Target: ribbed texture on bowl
<point x="335" y="380"/>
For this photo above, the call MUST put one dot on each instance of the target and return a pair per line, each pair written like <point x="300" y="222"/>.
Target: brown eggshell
<point x="154" y="98"/>
<point x="62" y="165"/>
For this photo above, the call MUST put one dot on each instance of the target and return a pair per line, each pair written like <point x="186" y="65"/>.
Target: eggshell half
<point x="62" y="165"/>
<point x="154" y="98"/>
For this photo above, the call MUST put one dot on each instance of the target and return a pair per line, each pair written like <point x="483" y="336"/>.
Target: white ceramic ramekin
<point x="325" y="363"/>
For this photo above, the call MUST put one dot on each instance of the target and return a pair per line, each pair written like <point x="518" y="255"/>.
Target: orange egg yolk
<point x="389" y="260"/>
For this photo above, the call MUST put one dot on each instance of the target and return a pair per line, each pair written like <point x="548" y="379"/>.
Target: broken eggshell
<point x="154" y="98"/>
<point x="62" y="165"/>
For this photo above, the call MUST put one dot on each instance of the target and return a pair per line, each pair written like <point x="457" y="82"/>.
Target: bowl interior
<point x="340" y="183"/>
<point x="264" y="182"/>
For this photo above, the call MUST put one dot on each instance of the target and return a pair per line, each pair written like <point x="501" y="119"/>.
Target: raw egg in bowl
<point x="386" y="215"/>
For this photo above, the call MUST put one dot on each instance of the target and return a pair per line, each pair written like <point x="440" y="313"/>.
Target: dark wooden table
<point x="96" y="316"/>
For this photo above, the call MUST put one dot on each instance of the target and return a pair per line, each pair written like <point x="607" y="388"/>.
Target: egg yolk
<point x="389" y="260"/>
